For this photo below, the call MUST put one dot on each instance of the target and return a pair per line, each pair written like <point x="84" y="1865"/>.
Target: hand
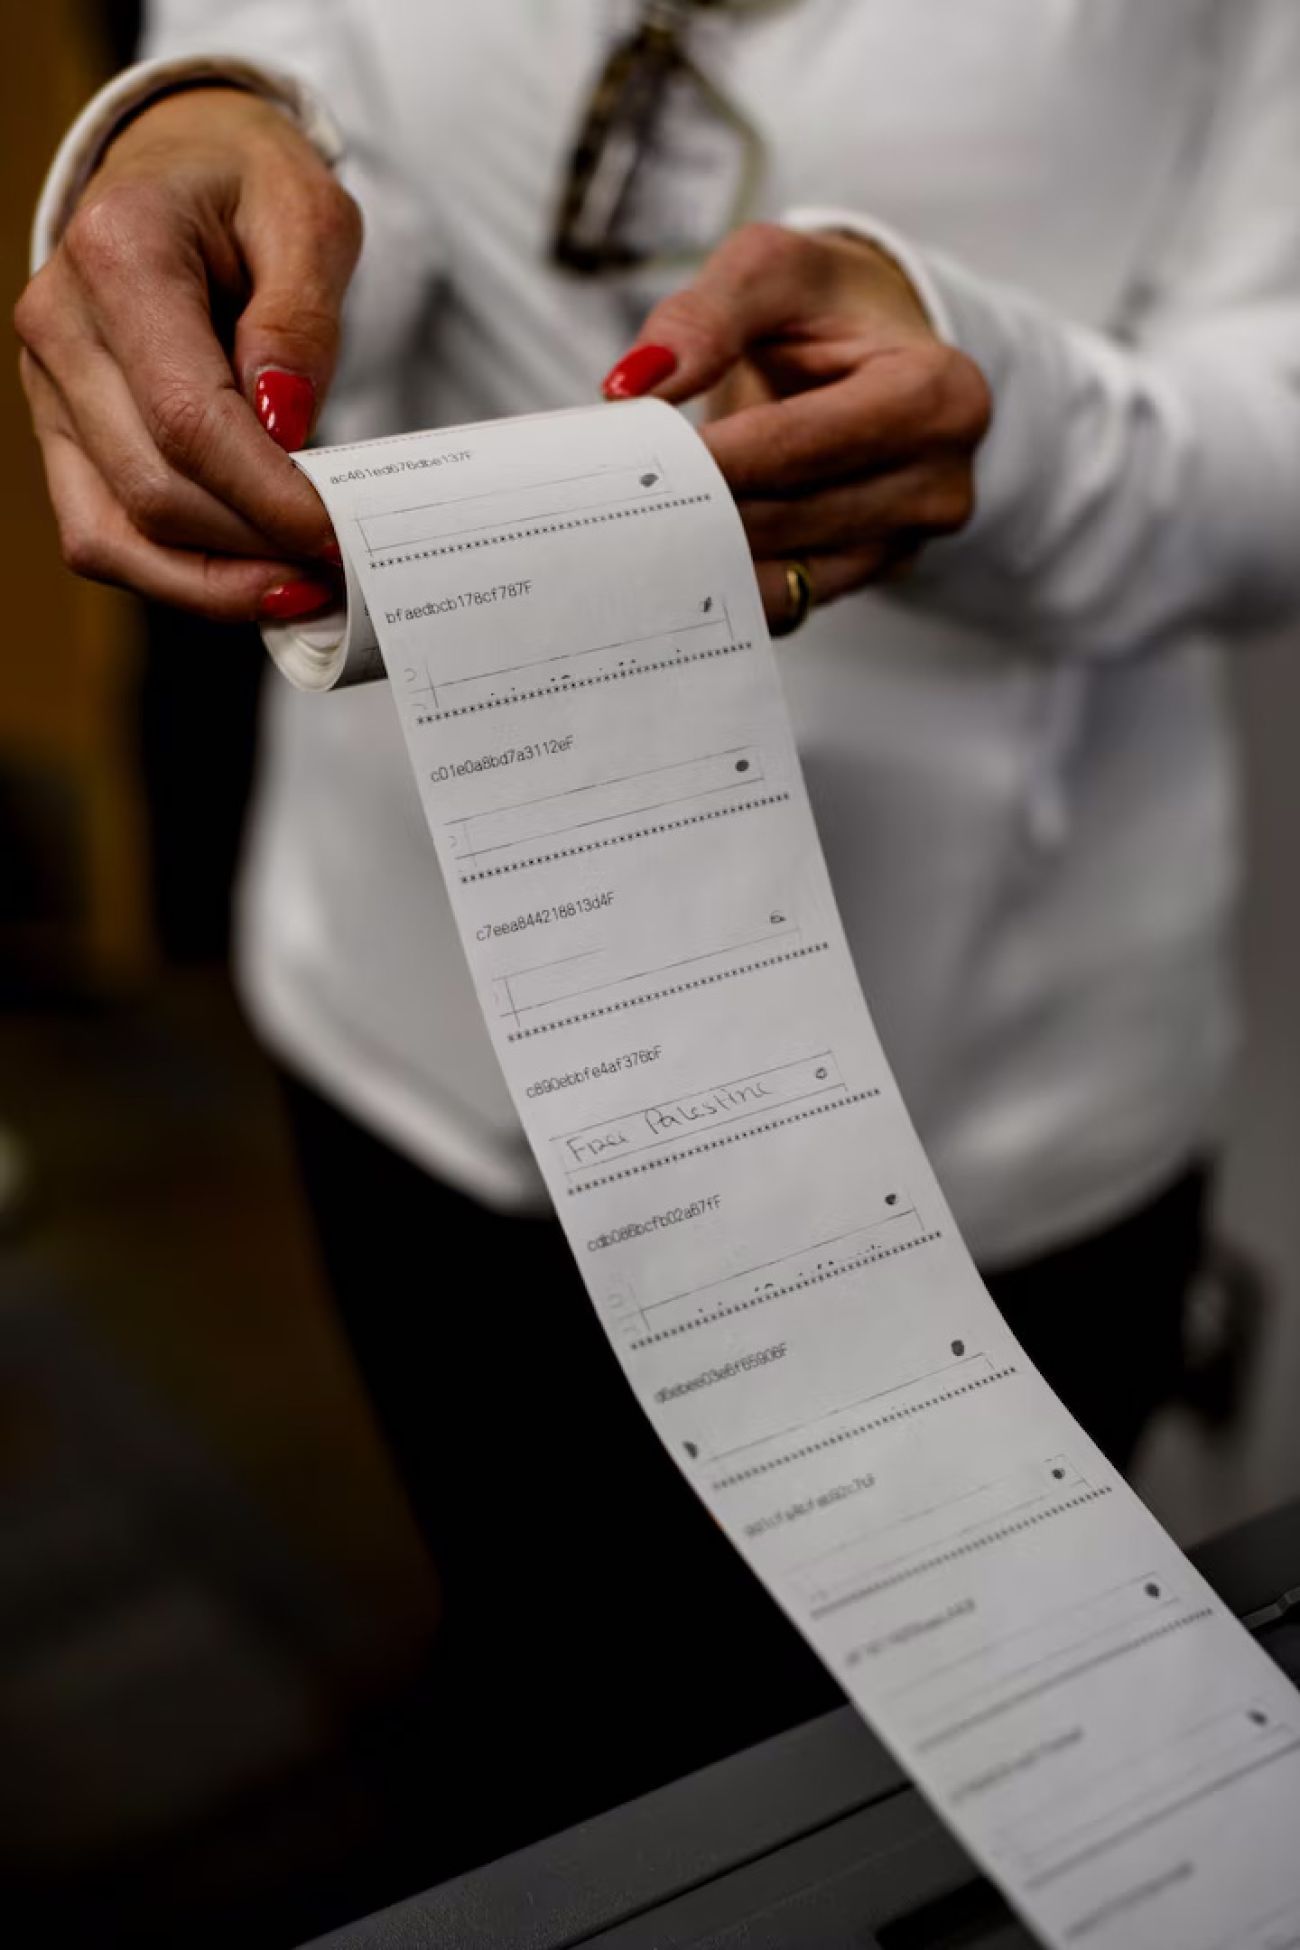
<point x="185" y="325"/>
<point x="846" y="429"/>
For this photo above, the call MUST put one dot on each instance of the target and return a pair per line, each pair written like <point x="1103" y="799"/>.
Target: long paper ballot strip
<point x="567" y="611"/>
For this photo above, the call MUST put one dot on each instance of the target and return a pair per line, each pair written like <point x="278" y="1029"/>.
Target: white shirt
<point x="1020" y="762"/>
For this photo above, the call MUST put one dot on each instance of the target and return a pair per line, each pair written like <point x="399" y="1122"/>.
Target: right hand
<point x="209" y="253"/>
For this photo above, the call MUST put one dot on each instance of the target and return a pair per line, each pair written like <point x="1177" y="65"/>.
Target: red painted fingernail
<point x="290" y="600"/>
<point x="638" y="371"/>
<point x="285" y="403"/>
<point x="333" y="553"/>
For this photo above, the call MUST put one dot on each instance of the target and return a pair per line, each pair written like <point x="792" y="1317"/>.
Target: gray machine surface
<point x="812" y="1841"/>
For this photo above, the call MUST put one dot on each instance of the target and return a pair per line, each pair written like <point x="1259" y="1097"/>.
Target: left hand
<point x="847" y="430"/>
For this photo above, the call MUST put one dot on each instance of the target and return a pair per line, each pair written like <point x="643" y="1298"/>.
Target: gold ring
<point x="799" y="589"/>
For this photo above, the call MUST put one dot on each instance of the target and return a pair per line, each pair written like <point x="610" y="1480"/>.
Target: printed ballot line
<point x="594" y="720"/>
<point x="835" y="1576"/>
<point x="508" y="504"/>
<point x="716" y="1107"/>
<point x="857" y="1420"/>
<point x="545" y="672"/>
<point x="600" y="971"/>
<point x="595" y="808"/>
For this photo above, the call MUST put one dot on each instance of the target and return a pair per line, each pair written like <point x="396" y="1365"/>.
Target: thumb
<point x="757" y="283"/>
<point x="300" y="240"/>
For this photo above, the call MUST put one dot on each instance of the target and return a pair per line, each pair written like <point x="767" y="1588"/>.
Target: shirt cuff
<point x="910" y="261"/>
<point x="1003" y="334"/>
<point x="83" y="147"/>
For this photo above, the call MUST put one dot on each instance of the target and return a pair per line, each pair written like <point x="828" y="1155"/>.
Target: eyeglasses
<point x="652" y="104"/>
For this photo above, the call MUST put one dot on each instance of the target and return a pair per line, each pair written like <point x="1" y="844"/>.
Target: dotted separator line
<point x="561" y="686"/>
<point x="870" y="1258"/>
<point x="674" y="988"/>
<point x="622" y="839"/>
<point x="530" y="530"/>
<point x="960" y="1550"/>
<point x="717" y="1143"/>
<point x="863" y="1428"/>
<point x="986" y="1713"/>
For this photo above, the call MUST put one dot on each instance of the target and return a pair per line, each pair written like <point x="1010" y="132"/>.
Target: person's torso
<point x="1042" y="141"/>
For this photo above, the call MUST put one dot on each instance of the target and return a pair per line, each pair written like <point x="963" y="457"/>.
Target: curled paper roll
<point x="325" y="653"/>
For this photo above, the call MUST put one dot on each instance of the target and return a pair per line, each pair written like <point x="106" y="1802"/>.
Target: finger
<point x="299" y="234"/>
<point x="918" y="502"/>
<point x="98" y="411"/>
<point x="99" y="542"/>
<point x="147" y="292"/>
<point x="832" y="576"/>
<point x="890" y="409"/>
<point x="758" y="282"/>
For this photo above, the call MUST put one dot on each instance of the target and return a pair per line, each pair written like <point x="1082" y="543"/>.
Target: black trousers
<point x="599" y="1633"/>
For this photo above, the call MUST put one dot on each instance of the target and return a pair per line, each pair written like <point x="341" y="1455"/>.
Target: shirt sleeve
<point x="128" y="93"/>
<point x="311" y="58"/>
<point x="1144" y="482"/>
